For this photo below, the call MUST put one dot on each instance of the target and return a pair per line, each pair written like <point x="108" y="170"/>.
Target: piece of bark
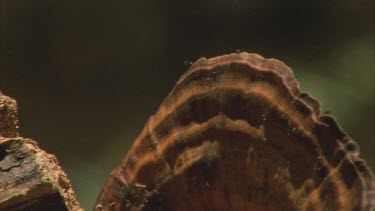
<point x="236" y="133"/>
<point x="31" y="179"/>
<point x="8" y="116"/>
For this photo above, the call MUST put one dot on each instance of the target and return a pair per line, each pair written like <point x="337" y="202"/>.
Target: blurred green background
<point x="88" y="74"/>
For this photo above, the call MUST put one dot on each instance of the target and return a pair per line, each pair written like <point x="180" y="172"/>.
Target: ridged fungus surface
<point x="236" y="133"/>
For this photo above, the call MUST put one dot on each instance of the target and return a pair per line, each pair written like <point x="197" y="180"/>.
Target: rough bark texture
<point x="8" y="116"/>
<point x="236" y="133"/>
<point x="30" y="179"/>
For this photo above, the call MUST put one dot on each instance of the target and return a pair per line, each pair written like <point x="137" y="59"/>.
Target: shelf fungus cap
<point x="236" y="133"/>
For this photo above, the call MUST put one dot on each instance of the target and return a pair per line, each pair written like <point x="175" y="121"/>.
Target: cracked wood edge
<point x="30" y="178"/>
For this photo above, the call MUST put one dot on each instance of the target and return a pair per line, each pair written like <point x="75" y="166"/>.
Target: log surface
<point x="30" y="178"/>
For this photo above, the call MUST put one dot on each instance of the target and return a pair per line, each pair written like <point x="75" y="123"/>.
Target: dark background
<point x="88" y="74"/>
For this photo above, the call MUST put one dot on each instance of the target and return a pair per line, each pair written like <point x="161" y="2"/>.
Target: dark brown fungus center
<point x="236" y="133"/>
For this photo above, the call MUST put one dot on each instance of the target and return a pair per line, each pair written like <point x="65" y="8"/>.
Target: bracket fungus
<point x="236" y="133"/>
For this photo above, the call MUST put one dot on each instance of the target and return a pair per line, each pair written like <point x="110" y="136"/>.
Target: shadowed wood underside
<point x="236" y="133"/>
